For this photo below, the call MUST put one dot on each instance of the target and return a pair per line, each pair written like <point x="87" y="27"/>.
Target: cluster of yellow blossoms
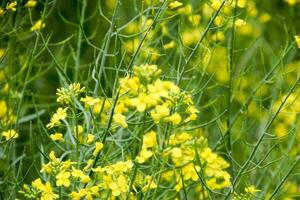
<point x="146" y="92"/>
<point x="190" y="156"/>
<point x="141" y="96"/>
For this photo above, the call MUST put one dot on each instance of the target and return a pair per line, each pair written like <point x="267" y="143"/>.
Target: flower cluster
<point x="91" y="173"/>
<point x="146" y="92"/>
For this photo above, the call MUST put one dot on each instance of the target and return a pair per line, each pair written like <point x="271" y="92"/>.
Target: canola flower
<point x="10" y="134"/>
<point x="12" y="6"/>
<point x="55" y="120"/>
<point x="297" y="39"/>
<point x="38" y="26"/>
<point x="30" y="3"/>
<point x="175" y="4"/>
<point x="159" y="100"/>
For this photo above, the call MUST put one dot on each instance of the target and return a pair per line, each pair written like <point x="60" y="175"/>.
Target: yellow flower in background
<point x="99" y="146"/>
<point x="12" y="6"/>
<point x="57" y="137"/>
<point x="2" y="53"/>
<point x="30" y="4"/>
<point x="10" y="134"/>
<point x="242" y="3"/>
<point x="175" y="4"/>
<point x="292" y="2"/>
<point x="90" y="138"/>
<point x="144" y="155"/>
<point x="62" y="179"/>
<point x="251" y="190"/>
<point x="38" y="25"/>
<point x="297" y="39"/>
<point x="120" y="119"/>
<point x="265" y="17"/>
<point x="3" y="109"/>
<point x="218" y="36"/>
<point x="2" y="11"/>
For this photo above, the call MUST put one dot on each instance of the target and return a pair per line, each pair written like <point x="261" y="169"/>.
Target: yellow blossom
<point x="265" y="17"/>
<point x="120" y="119"/>
<point x="99" y="146"/>
<point x="64" y="95"/>
<point x="89" y="101"/>
<point x="38" y="25"/>
<point x="3" y="109"/>
<point x="150" y="184"/>
<point x="119" y="186"/>
<point x="62" y="179"/>
<point x="175" y="119"/>
<point x="149" y="139"/>
<point x="297" y="39"/>
<point x="46" y="190"/>
<point x="1" y="13"/>
<point x="30" y="4"/>
<point x="90" y="138"/>
<point x="57" y="137"/>
<point x="251" y="190"/>
<point x="10" y="134"/>
<point x="12" y="6"/>
<point x="144" y="155"/>
<point x="175" y="4"/>
<point x="59" y="115"/>
<point x="291" y="2"/>
<point x="159" y="112"/>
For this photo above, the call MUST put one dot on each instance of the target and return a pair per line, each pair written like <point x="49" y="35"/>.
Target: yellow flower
<point x="62" y="179"/>
<point x="123" y="166"/>
<point x="297" y="39"/>
<point x="119" y="186"/>
<point x="90" y="138"/>
<point x="57" y="137"/>
<point x="265" y="17"/>
<point x="12" y="6"/>
<point x="218" y="36"/>
<point x="242" y="3"/>
<point x="175" y="119"/>
<point x="189" y="172"/>
<point x="150" y="184"/>
<point x="175" y="4"/>
<point x="251" y="190"/>
<point x="3" y="108"/>
<point x="291" y="2"/>
<point x="30" y="4"/>
<point x="38" y="25"/>
<point x="77" y="173"/>
<point x="64" y="95"/>
<point x="1" y="13"/>
<point x="89" y="101"/>
<point x="59" y="115"/>
<point x="120" y="119"/>
<point x="159" y="112"/>
<point x="144" y="155"/>
<point x="149" y="139"/>
<point x="99" y="146"/>
<point x="10" y="134"/>
<point x="46" y="189"/>
<point x="239" y="23"/>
